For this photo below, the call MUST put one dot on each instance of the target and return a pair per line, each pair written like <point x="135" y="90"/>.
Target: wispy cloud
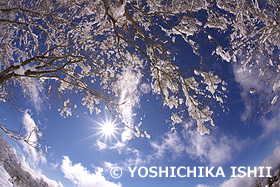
<point x="259" y="90"/>
<point x="33" y="88"/>
<point x="270" y="125"/>
<point x="36" y="97"/>
<point x="238" y="181"/>
<point x="127" y="87"/>
<point x="202" y="185"/>
<point x="80" y="176"/>
<point x="251" y="82"/>
<point x="214" y="149"/>
<point x="132" y="156"/>
<point x="248" y="84"/>
<point x="273" y="160"/>
<point x="100" y="145"/>
<point x="171" y="143"/>
<point x="54" y="166"/>
<point x="119" y="146"/>
<point x="31" y="138"/>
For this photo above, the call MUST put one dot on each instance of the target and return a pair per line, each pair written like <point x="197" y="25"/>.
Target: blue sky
<point x="80" y="156"/>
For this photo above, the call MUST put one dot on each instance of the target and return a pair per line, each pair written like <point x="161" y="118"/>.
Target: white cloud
<point x="247" y="82"/>
<point x="138" y="159"/>
<point x="31" y="137"/>
<point x="238" y="181"/>
<point x="213" y="149"/>
<point x="80" y="176"/>
<point x="270" y="125"/>
<point x="251" y="82"/>
<point x="273" y="160"/>
<point x="128" y="98"/>
<point x="119" y="146"/>
<point x="109" y="165"/>
<point x="54" y="166"/>
<point x="202" y="185"/>
<point x="33" y="88"/>
<point x="36" y="98"/>
<point x="100" y="145"/>
<point x="257" y="88"/>
<point x="132" y="156"/>
<point x="170" y="143"/>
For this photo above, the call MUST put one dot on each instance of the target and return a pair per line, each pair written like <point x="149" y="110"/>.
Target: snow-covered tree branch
<point x="92" y="47"/>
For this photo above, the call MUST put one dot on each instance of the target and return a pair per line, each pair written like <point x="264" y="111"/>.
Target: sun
<point x="107" y="129"/>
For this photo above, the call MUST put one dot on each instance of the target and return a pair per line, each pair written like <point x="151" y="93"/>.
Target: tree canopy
<point x="109" y="51"/>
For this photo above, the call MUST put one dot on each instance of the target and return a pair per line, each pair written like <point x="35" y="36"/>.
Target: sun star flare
<point x="108" y="129"/>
